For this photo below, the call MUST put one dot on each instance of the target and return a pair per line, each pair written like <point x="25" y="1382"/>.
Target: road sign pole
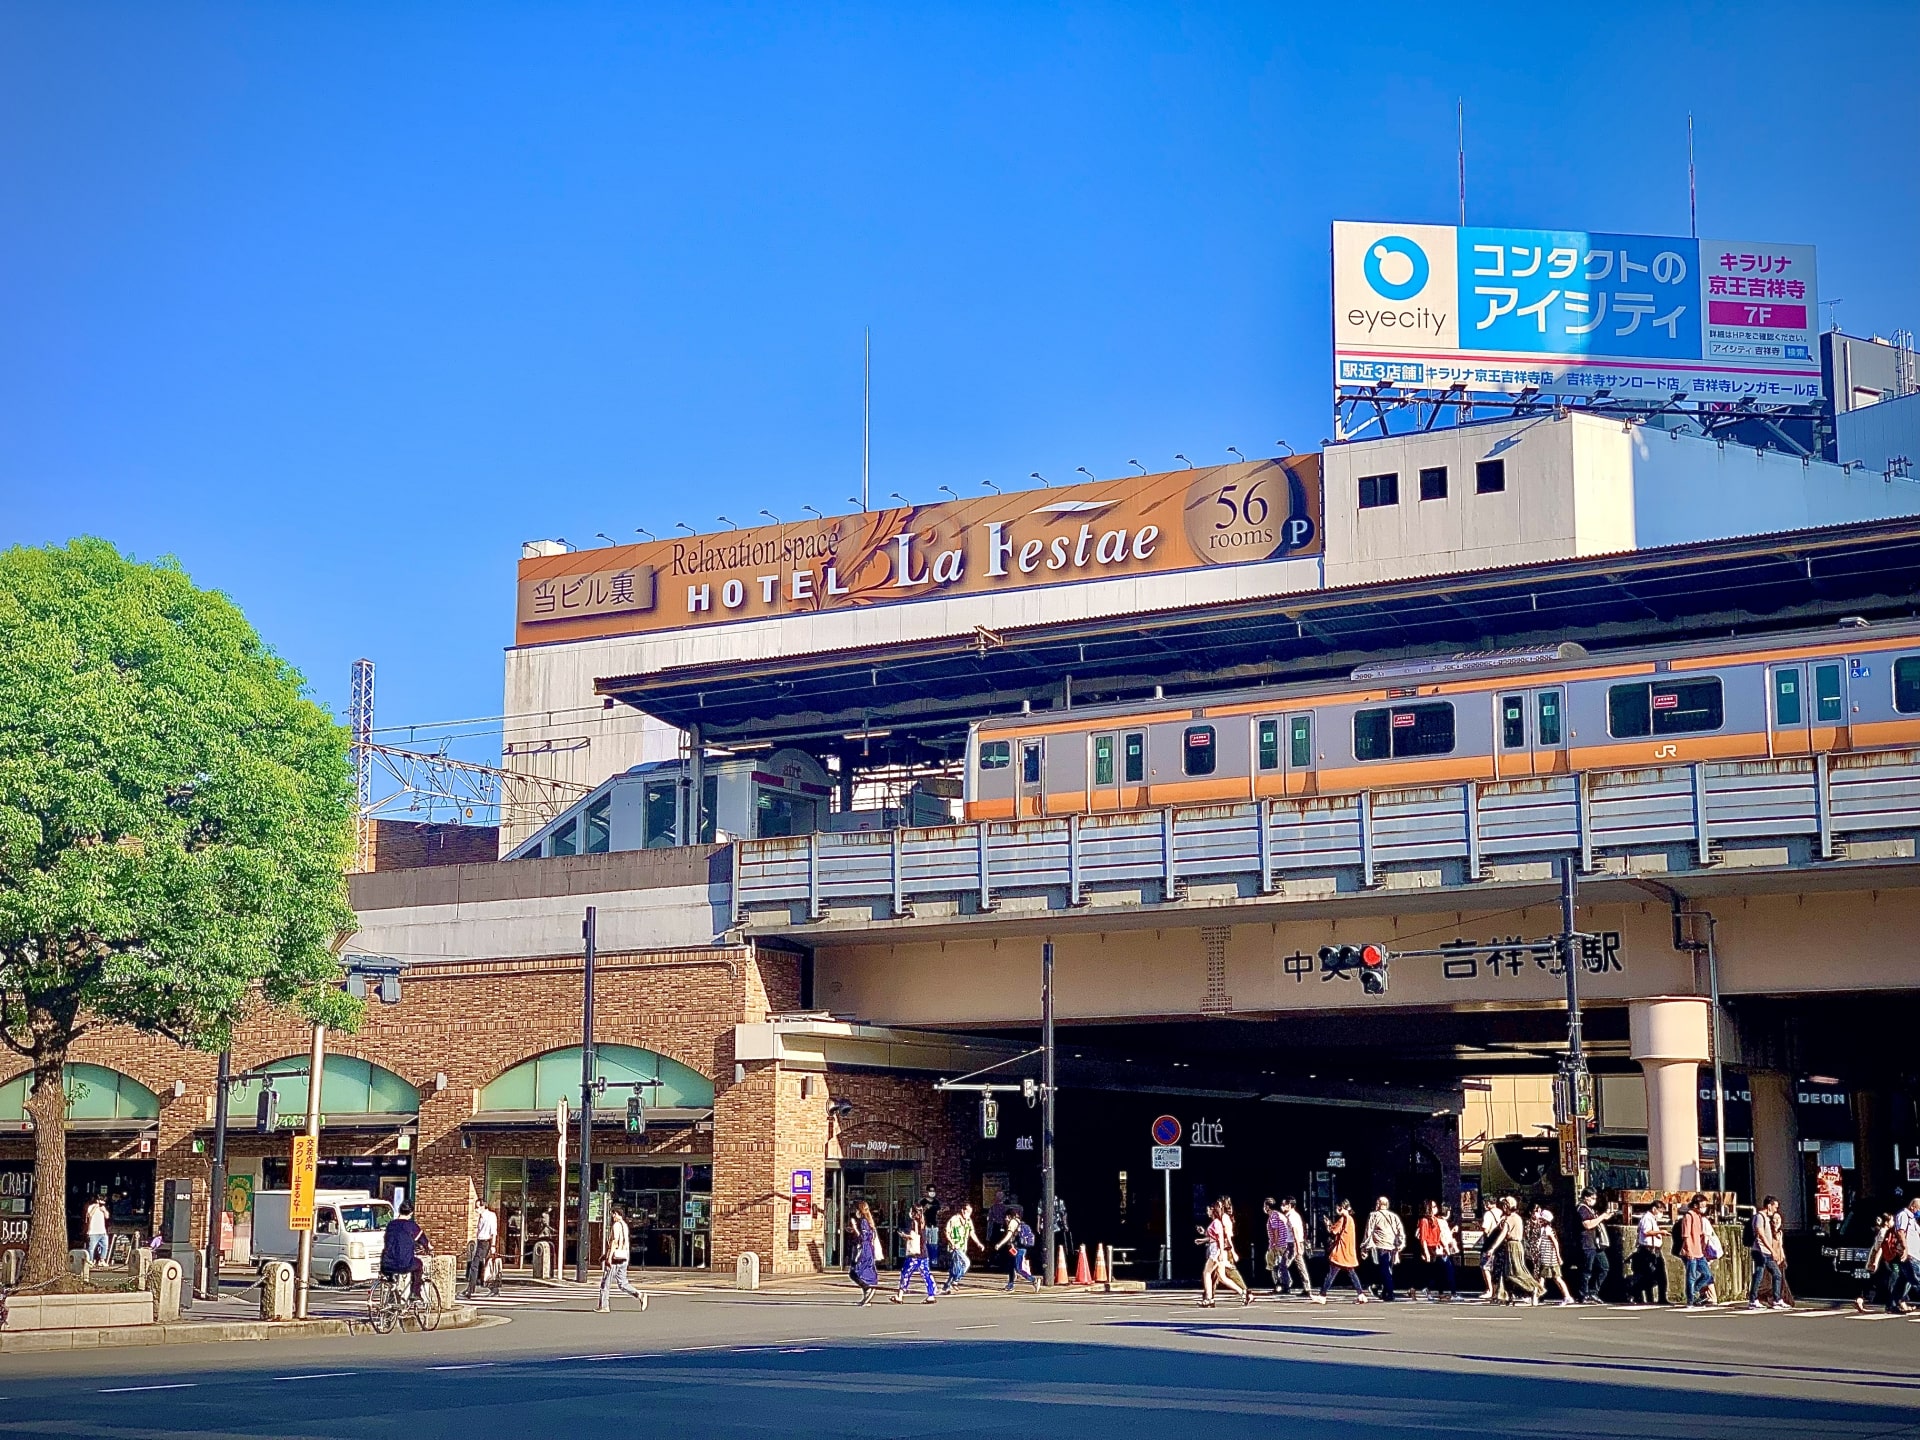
<point x="1048" y="1197"/>
<point x="217" y="1179"/>
<point x="587" y="933"/>
<point x="1166" y="1249"/>
<point x="316" y="1065"/>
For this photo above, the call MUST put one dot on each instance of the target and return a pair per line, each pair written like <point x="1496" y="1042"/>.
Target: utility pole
<point x="217" y="1179"/>
<point x="586" y="1103"/>
<point x="1576" y="1061"/>
<point x="1047" y="1197"/>
<point x="303" y="1272"/>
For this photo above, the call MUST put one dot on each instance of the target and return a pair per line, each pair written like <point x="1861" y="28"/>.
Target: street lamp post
<point x="586" y="1105"/>
<point x="1048" y="1199"/>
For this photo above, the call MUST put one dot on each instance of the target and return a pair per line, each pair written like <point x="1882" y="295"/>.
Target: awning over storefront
<point x="355" y="1094"/>
<point x="99" y="1102"/>
<point x="535" y="1086"/>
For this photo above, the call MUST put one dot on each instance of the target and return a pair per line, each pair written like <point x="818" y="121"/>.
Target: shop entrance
<point x="669" y="1210"/>
<point x="890" y="1189"/>
<point x="128" y="1188"/>
<point x="387" y="1177"/>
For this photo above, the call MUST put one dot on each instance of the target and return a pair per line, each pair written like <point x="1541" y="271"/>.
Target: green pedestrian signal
<point x="636" y="1116"/>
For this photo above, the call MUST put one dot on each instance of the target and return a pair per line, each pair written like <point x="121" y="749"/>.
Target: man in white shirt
<point x="613" y="1270"/>
<point x="486" y="1235"/>
<point x="97" y="1232"/>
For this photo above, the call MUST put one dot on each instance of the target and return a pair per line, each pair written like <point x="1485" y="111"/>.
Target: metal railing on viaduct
<point x="1663" y="819"/>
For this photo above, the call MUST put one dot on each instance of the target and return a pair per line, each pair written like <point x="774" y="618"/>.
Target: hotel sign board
<point x="1109" y="529"/>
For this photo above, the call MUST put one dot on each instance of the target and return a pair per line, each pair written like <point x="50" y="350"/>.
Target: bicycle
<point x="390" y="1304"/>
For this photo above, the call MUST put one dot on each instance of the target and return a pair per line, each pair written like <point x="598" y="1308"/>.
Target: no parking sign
<point x="1166" y="1131"/>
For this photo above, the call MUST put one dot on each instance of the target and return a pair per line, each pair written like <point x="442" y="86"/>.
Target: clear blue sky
<point x="340" y="302"/>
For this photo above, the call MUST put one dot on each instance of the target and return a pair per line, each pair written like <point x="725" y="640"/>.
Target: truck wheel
<point x="342" y="1276"/>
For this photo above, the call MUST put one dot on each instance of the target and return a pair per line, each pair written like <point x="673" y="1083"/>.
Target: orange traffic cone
<point x="1081" y="1274"/>
<point x="1060" y="1266"/>
<point x="1100" y="1274"/>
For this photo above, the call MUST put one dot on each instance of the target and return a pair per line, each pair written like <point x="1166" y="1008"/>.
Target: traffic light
<point x="267" y="1112"/>
<point x="1371" y="961"/>
<point x="1374" y="961"/>
<point x="989" y="1118"/>
<point x="1030" y="1092"/>
<point x="636" y="1115"/>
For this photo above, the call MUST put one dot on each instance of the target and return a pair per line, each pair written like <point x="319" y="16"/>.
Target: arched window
<point x="540" y="1083"/>
<point x="348" y="1086"/>
<point x="94" y="1093"/>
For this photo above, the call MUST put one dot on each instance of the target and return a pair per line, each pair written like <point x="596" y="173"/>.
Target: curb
<point x="192" y="1332"/>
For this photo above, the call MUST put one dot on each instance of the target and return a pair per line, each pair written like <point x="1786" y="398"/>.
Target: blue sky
<point x="340" y="302"/>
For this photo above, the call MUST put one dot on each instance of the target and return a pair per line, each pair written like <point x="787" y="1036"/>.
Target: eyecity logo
<point x="1396" y="268"/>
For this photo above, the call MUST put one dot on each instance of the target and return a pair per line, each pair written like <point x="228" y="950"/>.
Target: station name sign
<point x="1109" y="529"/>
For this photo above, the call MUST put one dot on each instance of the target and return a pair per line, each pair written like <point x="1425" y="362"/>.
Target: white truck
<point x="349" y="1231"/>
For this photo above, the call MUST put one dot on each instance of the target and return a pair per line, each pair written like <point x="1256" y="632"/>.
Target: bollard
<point x="77" y="1263"/>
<point x="276" y="1291"/>
<point x="139" y="1258"/>
<point x="12" y="1262"/>
<point x="746" y="1271"/>
<point x="164" y="1281"/>
<point x="543" y="1260"/>
<point x="440" y="1270"/>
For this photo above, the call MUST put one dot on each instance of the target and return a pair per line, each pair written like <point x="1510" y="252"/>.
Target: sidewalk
<point x="234" y="1316"/>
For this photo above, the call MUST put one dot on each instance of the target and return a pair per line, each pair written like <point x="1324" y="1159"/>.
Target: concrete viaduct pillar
<point x="1669" y="1039"/>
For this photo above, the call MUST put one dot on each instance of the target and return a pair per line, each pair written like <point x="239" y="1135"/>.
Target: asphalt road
<point x="804" y="1361"/>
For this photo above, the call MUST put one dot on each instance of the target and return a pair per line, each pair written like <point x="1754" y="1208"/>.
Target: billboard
<point x="1109" y="529"/>
<point x="1572" y="313"/>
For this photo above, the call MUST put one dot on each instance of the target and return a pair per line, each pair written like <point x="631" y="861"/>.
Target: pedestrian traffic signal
<point x="636" y="1116"/>
<point x="989" y="1118"/>
<point x="1370" y="960"/>
<point x="267" y="1113"/>
<point x="1030" y="1091"/>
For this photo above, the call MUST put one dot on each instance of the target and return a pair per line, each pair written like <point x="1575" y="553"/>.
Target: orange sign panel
<point x="300" y="1199"/>
<point x="1110" y="529"/>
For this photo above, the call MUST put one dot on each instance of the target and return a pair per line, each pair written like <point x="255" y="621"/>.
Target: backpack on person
<point x="1025" y="1237"/>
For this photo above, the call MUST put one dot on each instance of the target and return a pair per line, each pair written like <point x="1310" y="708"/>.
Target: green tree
<point x="176" y="819"/>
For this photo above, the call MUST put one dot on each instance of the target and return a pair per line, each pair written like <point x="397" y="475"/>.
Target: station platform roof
<point x="911" y="703"/>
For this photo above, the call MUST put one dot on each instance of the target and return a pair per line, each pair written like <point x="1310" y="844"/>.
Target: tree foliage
<point x="175" y="819"/>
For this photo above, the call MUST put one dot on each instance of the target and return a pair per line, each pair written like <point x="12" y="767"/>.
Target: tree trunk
<point x="47" y="1104"/>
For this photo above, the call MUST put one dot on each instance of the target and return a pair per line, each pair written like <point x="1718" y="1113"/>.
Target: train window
<point x="1103" y="759"/>
<point x="996" y="755"/>
<point x="1269" y="744"/>
<point x="1547" y="718"/>
<point x="1513" y="722"/>
<point x="1827" y="705"/>
<point x="1030" y="762"/>
<point x="1786" y="697"/>
<point x="1403" y="732"/>
<point x="1669" y="707"/>
<point x="1133" y="754"/>
<point x="1300" y="742"/>
<point x="1198" y="754"/>
<point x="1906" y="684"/>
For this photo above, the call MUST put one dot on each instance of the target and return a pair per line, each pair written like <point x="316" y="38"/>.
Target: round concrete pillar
<point x="1669" y="1038"/>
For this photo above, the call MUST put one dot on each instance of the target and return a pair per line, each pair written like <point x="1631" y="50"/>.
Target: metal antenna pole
<point x="586" y="1104"/>
<point x="360" y="727"/>
<point x="1047" y="1198"/>
<point x="1693" y="194"/>
<point x="1462" y="115"/>
<point x="866" y="418"/>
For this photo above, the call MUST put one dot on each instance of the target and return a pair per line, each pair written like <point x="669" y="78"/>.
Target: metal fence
<point x="1814" y="803"/>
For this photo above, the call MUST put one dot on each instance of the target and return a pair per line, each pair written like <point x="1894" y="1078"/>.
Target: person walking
<point x="486" y="1232"/>
<point x="1218" y="1269"/>
<point x="1648" y="1285"/>
<point x="1295" y="1261"/>
<point x="1883" y="1261"/>
<point x="1514" y="1276"/>
<point x="961" y="1237"/>
<point x="1386" y="1239"/>
<point x="1543" y="1254"/>
<point x="1489" y="1254"/>
<point x="1596" y="1242"/>
<point x="864" y="1269"/>
<point x="1343" y="1254"/>
<point x="1438" y="1246"/>
<point x="97" y="1231"/>
<point x="1276" y="1242"/>
<point x="1230" y="1252"/>
<point x="913" y="1257"/>
<point x="1766" y="1239"/>
<point x="1017" y="1241"/>
<point x="1906" y="1281"/>
<point x="1693" y="1229"/>
<point x="613" y="1264"/>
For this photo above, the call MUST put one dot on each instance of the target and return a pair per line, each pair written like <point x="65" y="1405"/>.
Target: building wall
<point x="1878" y="435"/>
<point x="413" y="844"/>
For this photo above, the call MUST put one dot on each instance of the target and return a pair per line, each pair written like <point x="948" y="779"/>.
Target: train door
<point x="1829" y="730"/>
<point x="1032" y="758"/>
<point x="1299" y="753"/>
<point x="1788" y="731"/>
<point x="1530" y="736"/>
<point x="1283" y="754"/>
<point x="1133" y="769"/>
<point x="1103" y="771"/>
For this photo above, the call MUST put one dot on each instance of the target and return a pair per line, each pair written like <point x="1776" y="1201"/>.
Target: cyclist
<point x="406" y="1243"/>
